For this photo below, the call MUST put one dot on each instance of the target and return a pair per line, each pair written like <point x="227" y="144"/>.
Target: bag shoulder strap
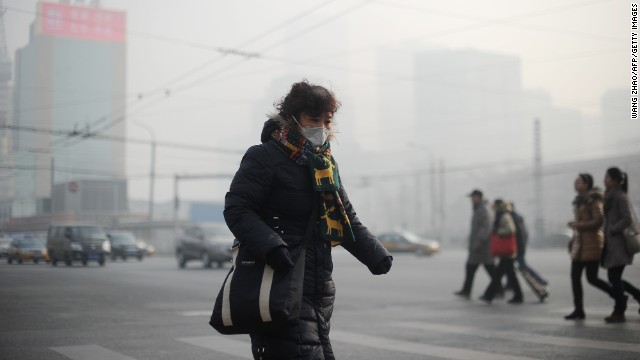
<point x="634" y="217"/>
<point x="312" y="220"/>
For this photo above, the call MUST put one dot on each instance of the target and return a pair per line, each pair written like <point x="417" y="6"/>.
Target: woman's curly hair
<point x="310" y="99"/>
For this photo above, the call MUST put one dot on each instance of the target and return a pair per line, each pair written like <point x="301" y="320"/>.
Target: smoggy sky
<point x="573" y="51"/>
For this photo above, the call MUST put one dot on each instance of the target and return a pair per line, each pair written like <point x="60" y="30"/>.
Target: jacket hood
<point x="275" y="122"/>
<point x="595" y="194"/>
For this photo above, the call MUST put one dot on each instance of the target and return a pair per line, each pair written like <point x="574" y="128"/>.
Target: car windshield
<point x="218" y="234"/>
<point x="217" y="231"/>
<point x="412" y="238"/>
<point x="86" y="232"/>
<point x="123" y="239"/>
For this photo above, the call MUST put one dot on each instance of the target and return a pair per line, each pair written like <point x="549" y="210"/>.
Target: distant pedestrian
<point x="537" y="282"/>
<point x="479" y="252"/>
<point x="503" y="225"/>
<point x="617" y="214"/>
<point x="587" y="242"/>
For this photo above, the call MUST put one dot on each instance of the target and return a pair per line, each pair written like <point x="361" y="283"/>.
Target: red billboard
<point x="82" y="22"/>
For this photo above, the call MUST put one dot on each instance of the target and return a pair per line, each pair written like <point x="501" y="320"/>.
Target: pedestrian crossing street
<point x="238" y="347"/>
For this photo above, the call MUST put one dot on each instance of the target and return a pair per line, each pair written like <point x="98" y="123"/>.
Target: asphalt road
<point x="153" y="310"/>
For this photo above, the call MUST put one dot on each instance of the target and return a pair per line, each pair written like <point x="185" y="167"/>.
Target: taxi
<point x="27" y="249"/>
<point x="405" y="241"/>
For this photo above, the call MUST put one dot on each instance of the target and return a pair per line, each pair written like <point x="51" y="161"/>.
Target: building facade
<point x="69" y="77"/>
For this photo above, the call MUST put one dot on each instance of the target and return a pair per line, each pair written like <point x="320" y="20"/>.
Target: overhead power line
<point x="107" y="174"/>
<point x="277" y="44"/>
<point x="509" y="21"/>
<point x="83" y="134"/>
<point x="219" y="49"/>
<point x="466" y="28"/>
<point x="224" y="51"/>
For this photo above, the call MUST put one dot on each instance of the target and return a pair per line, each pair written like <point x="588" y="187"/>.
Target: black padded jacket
<point x="270" y="185"/>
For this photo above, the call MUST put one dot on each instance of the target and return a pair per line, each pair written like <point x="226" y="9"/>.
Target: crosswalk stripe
<point x="383" y="343"/>
<point x="524" y="337"/>
<point x="195" y="313"/>
<point x="223" y="344"/>
<point x="585" y="323"/>
<point x="89" y="352"/>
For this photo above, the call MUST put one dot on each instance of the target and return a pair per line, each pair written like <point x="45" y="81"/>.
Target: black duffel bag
<point x="254" y="297"/>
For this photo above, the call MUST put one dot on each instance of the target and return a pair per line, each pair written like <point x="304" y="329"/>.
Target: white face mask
<point x="317" y="135"/>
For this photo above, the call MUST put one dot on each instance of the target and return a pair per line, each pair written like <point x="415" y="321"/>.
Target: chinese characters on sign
<point x="82" y="22"/>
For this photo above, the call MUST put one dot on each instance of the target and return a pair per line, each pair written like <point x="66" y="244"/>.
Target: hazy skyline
<point x="571" y="51"/>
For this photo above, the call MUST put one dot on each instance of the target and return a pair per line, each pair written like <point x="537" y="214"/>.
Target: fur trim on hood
<point x="595" y="194"/>
<point x="269" y="127"/>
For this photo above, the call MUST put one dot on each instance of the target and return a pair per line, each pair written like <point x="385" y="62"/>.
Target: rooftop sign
<point x="81" y="22"/>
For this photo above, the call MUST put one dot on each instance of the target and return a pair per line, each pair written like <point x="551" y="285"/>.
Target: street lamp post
<point x="432" y="185"/>
<point x="152" y="171"/>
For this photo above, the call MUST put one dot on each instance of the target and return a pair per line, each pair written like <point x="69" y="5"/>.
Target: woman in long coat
<point x="588" y="240"/>
<point x="615" y="257"/>
<point x="269" y="205"/>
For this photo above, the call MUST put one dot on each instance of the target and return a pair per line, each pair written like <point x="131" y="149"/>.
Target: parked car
<point x="404" y="241"/>
<point x="4" y="245"/>
<point x="83" y="242"/>
<point x="124" y="245"/>
<point x="209" y="244"/>
<point x="27" y="249"/>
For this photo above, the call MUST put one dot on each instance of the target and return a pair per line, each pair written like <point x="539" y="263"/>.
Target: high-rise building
<point x="69" y="77"/>
<point x="5" y="111"/>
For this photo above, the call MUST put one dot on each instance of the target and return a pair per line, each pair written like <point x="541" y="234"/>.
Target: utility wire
<point x="466" y="28"/>
<point x="398" y="77"/>
<point x="90" y="135"/>
<point x="486" y="21"/>
<point x="502" y="20"/>
<point x="276" y="45"/>
<point x="178" y="89"/>
<point x="259" y="36"/>
<point x="121" y="116"/>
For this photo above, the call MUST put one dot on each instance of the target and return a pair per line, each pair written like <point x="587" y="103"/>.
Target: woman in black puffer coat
<point x="269" y="205"/>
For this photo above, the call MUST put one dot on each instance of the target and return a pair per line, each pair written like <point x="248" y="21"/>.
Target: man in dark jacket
<point x="479" y="246"/>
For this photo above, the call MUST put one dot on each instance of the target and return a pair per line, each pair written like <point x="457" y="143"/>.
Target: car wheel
<point x="85" y="261"/>
<point x="182" y="260"/>
<point x="67" y="259"/>
<point x="54" y="260"/>
<point x="101" y="260"/>
<point x="139" y="257"/>
<point x="124" y="257"/>
<point x="9" y="259"/>
<point x="206" y="260"/>
<point x="35" y="261"/>
<point x="220" y="264"/>
<point x="19" y="260"/>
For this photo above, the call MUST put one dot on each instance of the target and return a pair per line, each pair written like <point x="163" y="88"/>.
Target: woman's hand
<point x="383" y="266"/>
<point x="279" y="259"/>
